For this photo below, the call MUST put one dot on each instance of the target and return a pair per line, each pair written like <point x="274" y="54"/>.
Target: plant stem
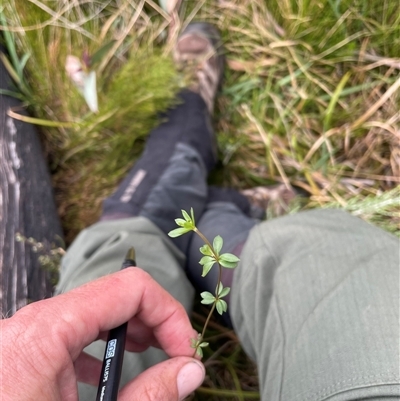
<point x="200" y="234"/>
<point x="208" y="319"/>
<point x="213" y="306"/>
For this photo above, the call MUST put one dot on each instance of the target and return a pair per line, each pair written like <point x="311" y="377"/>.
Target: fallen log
<point x="27" y="207"/>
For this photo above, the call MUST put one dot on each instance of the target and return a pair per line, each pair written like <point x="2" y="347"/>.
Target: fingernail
<point x="189" y="378"/>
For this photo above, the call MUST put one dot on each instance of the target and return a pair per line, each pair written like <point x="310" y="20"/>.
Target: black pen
<point x="114" y="354"/>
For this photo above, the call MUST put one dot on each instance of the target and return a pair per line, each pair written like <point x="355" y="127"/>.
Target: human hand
<point x="41" y="345"/>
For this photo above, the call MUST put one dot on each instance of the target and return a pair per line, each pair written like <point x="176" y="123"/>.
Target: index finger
<point x="78" y="316"/>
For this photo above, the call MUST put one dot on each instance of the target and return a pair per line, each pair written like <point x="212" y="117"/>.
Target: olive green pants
<point x="315" y="301"/>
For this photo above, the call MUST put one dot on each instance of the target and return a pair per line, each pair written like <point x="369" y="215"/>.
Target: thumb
<point x="171" y="380"/>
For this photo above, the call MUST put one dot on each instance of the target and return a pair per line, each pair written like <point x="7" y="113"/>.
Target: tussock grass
<point x="310" y="98"/>
<point x="135" y="80"/>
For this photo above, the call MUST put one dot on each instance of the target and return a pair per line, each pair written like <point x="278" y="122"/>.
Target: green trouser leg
<point x="100" y="250"/>
<point x="314" y="301"/>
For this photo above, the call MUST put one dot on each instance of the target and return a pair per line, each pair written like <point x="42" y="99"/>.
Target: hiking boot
<point x="198" y="53"/>
<point x="273" y="200"/>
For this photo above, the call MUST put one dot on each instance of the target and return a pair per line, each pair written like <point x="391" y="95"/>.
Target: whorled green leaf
<point x="228" y="260"/>
<point x="198" y="345"/>
<point x="207" y="301"/>
<point x="186" y="216"/>
<point x="199" y="352"/>
<point x="206" y="250"/>
<point x="207" y="267"/>
<point x="194" y="342"/>
<point x="230" y="257"/>
<point x="207" y="262"/>
<point x="221" y="306"/>
<point x="228" y="265"/>
<point x="217" y="244"/>
<point x="192" y="215"/>
<point x="208" y="298"/>
<point x="185" y="225"/>
<point x="188" y="225"/>
<point x="178" y="231"/>
<point x="206" y="259"/>
<point x="180" y="222"/>
<point x="223" y="291"/>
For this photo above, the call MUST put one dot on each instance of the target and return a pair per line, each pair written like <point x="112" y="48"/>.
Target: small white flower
<point x="170" y="5"/>
<point x="84" y="81"/>
<point x="74" y="69"/>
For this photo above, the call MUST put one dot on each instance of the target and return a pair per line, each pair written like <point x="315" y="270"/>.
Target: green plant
<point x="211" y="256"/>
<point x="14" y="65"/>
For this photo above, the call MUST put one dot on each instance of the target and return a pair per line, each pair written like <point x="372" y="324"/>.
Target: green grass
<point x="310" y="98"/>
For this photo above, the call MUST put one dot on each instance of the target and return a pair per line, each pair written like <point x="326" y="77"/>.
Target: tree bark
<point x="26" y="206"/>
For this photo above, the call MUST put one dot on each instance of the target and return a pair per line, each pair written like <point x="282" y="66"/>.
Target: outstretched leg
<point x="171" y="174"/>
<point x="315" y="302"/>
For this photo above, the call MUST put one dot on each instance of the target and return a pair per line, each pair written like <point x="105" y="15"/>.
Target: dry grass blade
<point x="389" y="93"/>
<point x="122" y="37"/>
<point x="267" y="143"/>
